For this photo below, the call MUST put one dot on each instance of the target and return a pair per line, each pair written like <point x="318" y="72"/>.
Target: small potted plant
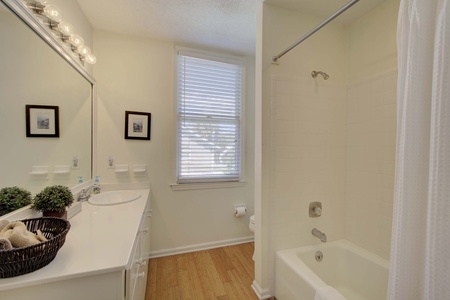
<point x="12" y="198"/>
<point x="52" y="201"/>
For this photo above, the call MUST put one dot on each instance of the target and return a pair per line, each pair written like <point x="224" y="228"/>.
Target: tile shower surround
<point x="335" y="144"/>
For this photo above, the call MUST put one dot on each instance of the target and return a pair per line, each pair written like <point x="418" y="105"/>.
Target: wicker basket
<point x="19" y="261"/>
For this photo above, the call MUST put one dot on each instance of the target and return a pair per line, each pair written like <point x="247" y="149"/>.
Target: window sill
<point x="203" y="186"/>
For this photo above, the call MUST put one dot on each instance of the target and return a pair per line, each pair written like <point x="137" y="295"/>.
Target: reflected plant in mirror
<point x="12" y="198"/>
<point x="33" y="73"/>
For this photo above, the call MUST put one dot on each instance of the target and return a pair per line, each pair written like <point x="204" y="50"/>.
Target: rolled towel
<point x="8" y="229"/>
<point x="328" y="293"/>
<point x="5" y="244"/>
<point x="40" y="236"/>
<point x="19" y="236"/>
<point x="3" y="223"/>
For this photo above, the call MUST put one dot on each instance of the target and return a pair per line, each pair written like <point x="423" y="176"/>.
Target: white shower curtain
<point x="420" y="255"/>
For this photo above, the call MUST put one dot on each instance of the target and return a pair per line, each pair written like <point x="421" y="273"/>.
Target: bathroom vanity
<point x="104" y="257"/>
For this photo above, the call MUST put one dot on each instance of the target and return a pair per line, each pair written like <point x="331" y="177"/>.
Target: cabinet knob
<point x="145" y="230"/>
<point x="142" y="262"/>
<point x="142" y="274"/>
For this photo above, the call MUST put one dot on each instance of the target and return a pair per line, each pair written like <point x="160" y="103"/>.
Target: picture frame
<point x="137" y="125"/>
<point x="42" y="121"/>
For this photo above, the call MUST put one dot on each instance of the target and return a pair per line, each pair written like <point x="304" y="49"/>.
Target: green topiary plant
<point x="53" y="199"/>
<point x="12" y="198"/>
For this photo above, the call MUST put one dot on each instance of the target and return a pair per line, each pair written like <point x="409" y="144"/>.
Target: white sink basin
<point x="114" y="197"/>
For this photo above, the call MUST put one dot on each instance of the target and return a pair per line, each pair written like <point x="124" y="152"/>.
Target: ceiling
<point x="229" y="25"/>
<point x="325" y="8"/>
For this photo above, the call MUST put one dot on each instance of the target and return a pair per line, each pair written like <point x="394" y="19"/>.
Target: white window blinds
<point x="209" y="118"/>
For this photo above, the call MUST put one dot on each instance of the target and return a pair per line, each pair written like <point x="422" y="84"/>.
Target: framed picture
<point x="42" y="121"/>
<point x="137" y="125"/>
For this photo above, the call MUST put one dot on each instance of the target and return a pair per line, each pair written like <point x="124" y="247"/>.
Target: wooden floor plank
<point x="244" y="268"/>
<point x="217" y="274"/>
<point x="190" y="278"/>
<point x="242" y="286"/>
<point x="222" y="263"/>
<point x="151" y="279"/>
<point x="209" y="283"/>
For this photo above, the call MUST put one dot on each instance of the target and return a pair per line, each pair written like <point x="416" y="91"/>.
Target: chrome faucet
<point x="84" y="194"/>
<point x="317" y="233"/>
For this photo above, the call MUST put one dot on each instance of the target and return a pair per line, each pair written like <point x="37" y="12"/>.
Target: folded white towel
<point x="328" y="293"/>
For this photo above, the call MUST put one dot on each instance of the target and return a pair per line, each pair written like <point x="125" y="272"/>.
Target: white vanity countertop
<point x="100" y="240"/>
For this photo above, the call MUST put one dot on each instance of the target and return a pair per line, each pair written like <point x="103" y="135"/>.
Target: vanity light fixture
<point x="53" y="13"/>
<point x="51" y="16"/>
<point x="76" y="41"/>
<point x="66" y="28"/>
<point x="42" y="2"/>
<point x="90" y="58"/>
<point x="84" y="50"/>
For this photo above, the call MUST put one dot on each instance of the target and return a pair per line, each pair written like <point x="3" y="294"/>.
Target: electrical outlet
<point x="75" y="162"/>
<point x="111" y="162"/>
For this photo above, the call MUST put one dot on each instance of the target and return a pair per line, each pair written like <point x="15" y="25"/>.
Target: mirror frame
<point x="44" y="33"/>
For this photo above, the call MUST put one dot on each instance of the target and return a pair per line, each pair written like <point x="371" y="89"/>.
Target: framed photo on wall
<point x="42" y="121"/>
<point x="137" y="125"/>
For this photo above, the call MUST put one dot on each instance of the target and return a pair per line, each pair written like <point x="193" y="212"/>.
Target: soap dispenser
<point x="96" y="189"/>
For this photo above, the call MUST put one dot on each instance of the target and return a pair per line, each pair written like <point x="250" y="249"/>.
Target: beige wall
<point x="371" y="128"/>
<point x="138" y="74"/>
<point x="372" y="42"/>
<point x="371" y="136"/>
<point x="303" y="133"/>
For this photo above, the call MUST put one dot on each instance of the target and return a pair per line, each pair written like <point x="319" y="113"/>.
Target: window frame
<point x="212" y="182"/>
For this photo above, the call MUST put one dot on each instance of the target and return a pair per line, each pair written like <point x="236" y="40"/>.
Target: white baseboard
<point x="198" y="247"/>
<point x="260" y="293"/>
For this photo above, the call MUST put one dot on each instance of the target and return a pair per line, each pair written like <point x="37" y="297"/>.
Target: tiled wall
<point x="336" y="145"/>
<point x="371" y="138"/>
<point x="308" y="136"/>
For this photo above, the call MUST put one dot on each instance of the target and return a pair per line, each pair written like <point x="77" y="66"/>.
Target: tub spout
<point x="317" y="233"/>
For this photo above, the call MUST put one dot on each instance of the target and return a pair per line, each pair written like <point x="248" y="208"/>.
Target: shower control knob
<point x="318" y="211"/>
<point x="315" y="209"/>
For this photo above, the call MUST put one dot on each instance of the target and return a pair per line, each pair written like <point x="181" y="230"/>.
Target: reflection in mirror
<point x="32" y="73"/>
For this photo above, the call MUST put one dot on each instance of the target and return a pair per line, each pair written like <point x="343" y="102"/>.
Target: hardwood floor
<point x="221" y="274"/>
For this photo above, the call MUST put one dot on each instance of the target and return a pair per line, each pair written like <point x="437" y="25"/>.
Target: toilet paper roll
<point x="239" y="211"/>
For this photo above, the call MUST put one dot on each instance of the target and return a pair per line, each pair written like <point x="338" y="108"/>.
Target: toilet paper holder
<point x="240" y="210"/>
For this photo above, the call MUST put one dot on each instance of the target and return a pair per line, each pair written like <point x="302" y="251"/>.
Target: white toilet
<point x="251" y="226"/>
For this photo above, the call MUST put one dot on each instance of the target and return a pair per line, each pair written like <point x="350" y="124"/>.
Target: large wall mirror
<point x="33" y="73"/>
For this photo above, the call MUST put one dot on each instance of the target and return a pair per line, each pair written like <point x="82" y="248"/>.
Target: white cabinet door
<point x="141" y="282"/>
<point x="132" y="273"/>
<point x="137" y="275"/>
<point x="145" y="230"/>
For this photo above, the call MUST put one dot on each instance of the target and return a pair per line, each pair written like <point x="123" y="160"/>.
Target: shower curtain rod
<point x="315" y="29"/>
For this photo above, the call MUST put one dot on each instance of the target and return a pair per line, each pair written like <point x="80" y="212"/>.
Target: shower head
<point x="324" y="75"/>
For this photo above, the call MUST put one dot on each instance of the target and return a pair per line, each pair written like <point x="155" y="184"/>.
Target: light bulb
<point x="42" y="2"/>
<point x="53" y="13"/>
<point x="90" y="58"/>
<point x="65" y="27"/>
<point x="84" y="50"/>
<point x="76" y="40"/>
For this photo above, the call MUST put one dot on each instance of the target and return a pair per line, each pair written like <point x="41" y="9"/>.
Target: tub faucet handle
<point x="315" y="209"/>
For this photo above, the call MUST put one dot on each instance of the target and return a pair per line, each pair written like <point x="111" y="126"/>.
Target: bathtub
<point x="355" y="272"/>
